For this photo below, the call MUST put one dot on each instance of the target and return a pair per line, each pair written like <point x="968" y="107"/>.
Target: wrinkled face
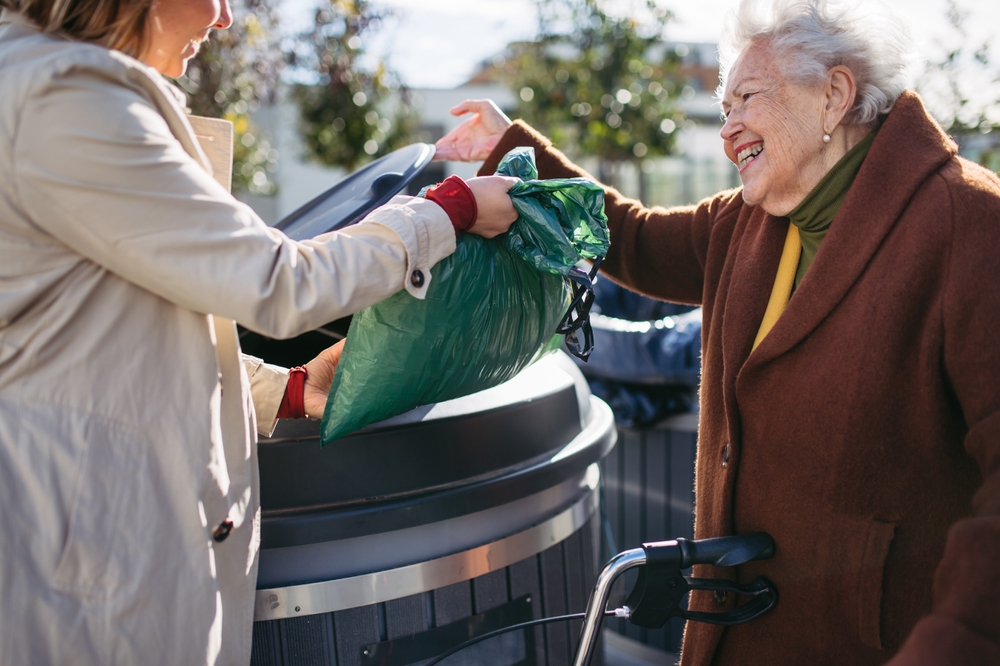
<point x="773" y="131"/>
<point x="176" y="29"/>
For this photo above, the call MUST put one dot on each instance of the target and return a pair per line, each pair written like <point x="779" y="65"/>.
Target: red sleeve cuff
<point x="455" y="196"/>
<point x="293" y="403"/>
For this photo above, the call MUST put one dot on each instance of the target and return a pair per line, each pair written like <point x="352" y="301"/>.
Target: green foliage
<point x="355" y="113"/>
<point x="234" y="72"/>
<point x="598" y="84"/>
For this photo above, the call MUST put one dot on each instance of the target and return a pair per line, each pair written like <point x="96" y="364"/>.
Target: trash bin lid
<point x="358" y="194"/>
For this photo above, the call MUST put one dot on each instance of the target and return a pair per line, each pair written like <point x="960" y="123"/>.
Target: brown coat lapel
<point x="895" y="167"/>
<point x="754" y="266"/>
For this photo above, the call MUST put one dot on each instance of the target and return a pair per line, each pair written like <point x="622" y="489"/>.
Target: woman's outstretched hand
<point x="321" y="370"/>
<point x="496" y="212"/>
<point x="473" y="140"/>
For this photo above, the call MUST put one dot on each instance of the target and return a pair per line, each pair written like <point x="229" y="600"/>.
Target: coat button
<point x="720" y="596"/>
<point x="222" y="532"/>
<point x="417" y="278"/>
<point x="725" y="456"/>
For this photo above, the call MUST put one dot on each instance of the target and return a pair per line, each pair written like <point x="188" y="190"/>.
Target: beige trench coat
<point x="127" y="421"/>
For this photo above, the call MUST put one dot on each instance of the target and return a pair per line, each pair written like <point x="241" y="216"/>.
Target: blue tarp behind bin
<point x="615" y="301"/>
<point x="646" y="362"/>
<point x="659" y="352"/>
<point x="631" y="346"/>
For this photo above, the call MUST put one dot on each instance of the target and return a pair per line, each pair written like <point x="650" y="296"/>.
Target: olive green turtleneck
<point x="814" y="215"/>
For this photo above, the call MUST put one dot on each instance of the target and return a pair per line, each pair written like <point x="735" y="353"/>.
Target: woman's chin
<point x="175" y="68"/>
<point x="753" y="197"/>
<point x="751" y="194"/>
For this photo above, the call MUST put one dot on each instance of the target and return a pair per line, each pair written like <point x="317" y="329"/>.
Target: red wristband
<point x="456" y="197"/>
<point x="293" y="403"/>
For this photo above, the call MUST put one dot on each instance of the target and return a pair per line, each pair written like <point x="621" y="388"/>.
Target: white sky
<point x="437" y="43"/>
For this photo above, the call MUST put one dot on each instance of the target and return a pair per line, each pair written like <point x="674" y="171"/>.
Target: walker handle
<point x="727" y="551"/>
<point x="681" y="554"/>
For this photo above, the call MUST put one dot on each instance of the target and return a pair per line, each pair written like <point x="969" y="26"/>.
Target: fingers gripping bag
<point x="493" y="307"/>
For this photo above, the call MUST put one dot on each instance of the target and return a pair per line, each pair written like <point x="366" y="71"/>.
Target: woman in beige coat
<point x="128" y="418"/>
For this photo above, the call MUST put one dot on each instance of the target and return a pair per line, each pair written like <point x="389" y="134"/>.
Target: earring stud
<point x="826" y="138"/>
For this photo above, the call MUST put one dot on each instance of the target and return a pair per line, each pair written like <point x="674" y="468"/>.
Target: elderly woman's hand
<point x="496" y="212"/>
<point x="320" y="376"/>
<point x="473" y="140"/>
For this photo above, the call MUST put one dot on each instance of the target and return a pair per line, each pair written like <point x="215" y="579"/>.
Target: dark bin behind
<point x="646" y="365"/>
<point x="649" y="496"/>
<point x="399" y="541"/>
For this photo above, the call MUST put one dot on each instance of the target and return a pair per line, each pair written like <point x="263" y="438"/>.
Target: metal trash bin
<point x="401" y="540"/>
<point x="411" y="535"/>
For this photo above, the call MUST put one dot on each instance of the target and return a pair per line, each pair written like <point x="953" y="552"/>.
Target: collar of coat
<point x="909" y="148"/>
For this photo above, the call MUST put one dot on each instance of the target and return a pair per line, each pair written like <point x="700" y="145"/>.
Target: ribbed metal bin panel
<point x="648" y="495"/>
<point x="557" y="580"/>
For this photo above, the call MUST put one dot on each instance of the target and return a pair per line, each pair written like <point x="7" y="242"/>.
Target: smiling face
<point x="176" y="29"/>
<point x="774" y="131"/>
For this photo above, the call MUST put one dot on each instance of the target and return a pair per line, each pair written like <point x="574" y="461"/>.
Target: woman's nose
<point x="225" y="16"/>
<point x="729" y="132"/>
<point x="730" y="128"/>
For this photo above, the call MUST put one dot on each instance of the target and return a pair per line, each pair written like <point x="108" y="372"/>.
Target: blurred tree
<point x="962" y="90"/>
<point x="599" y="84"/>
<point x="355" y="112"/>
<point x="236" y="70"/>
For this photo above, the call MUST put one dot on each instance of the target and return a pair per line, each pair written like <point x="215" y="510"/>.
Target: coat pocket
<point x="90" y="559"/>
<point x="870" y="575"/>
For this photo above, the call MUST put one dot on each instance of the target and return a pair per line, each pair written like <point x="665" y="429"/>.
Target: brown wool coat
<point x="863" y="433"/>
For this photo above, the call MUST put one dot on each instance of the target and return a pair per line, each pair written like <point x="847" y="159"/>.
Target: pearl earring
<point x="826" y="138"/>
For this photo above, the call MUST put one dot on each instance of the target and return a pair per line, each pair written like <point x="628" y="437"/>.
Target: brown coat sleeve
<point x="964" y="627"/>
<point x="656" y="251"/>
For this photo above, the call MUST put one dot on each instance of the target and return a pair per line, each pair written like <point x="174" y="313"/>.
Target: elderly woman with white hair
<point x="849" y="401"/>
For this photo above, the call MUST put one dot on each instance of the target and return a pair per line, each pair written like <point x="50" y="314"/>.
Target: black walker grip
<point x="729" y="551"/>
<point x="660" y="587"/>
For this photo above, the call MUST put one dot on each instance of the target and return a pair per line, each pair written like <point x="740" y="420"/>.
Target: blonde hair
<point x="90" y="20"/>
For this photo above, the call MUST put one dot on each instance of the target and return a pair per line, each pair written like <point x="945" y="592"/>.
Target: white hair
<point x="813" y="36"/>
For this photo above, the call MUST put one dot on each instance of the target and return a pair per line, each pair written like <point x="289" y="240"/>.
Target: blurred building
<point x="699" y="169"/>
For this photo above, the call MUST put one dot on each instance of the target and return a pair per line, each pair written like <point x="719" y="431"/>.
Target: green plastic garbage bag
<point x="492" y="308"/>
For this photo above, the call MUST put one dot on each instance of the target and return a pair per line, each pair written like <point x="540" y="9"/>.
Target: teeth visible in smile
<point x="748" y="154"/>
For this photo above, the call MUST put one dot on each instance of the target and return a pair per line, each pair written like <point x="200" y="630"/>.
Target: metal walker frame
<point x="661" y="587"/>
